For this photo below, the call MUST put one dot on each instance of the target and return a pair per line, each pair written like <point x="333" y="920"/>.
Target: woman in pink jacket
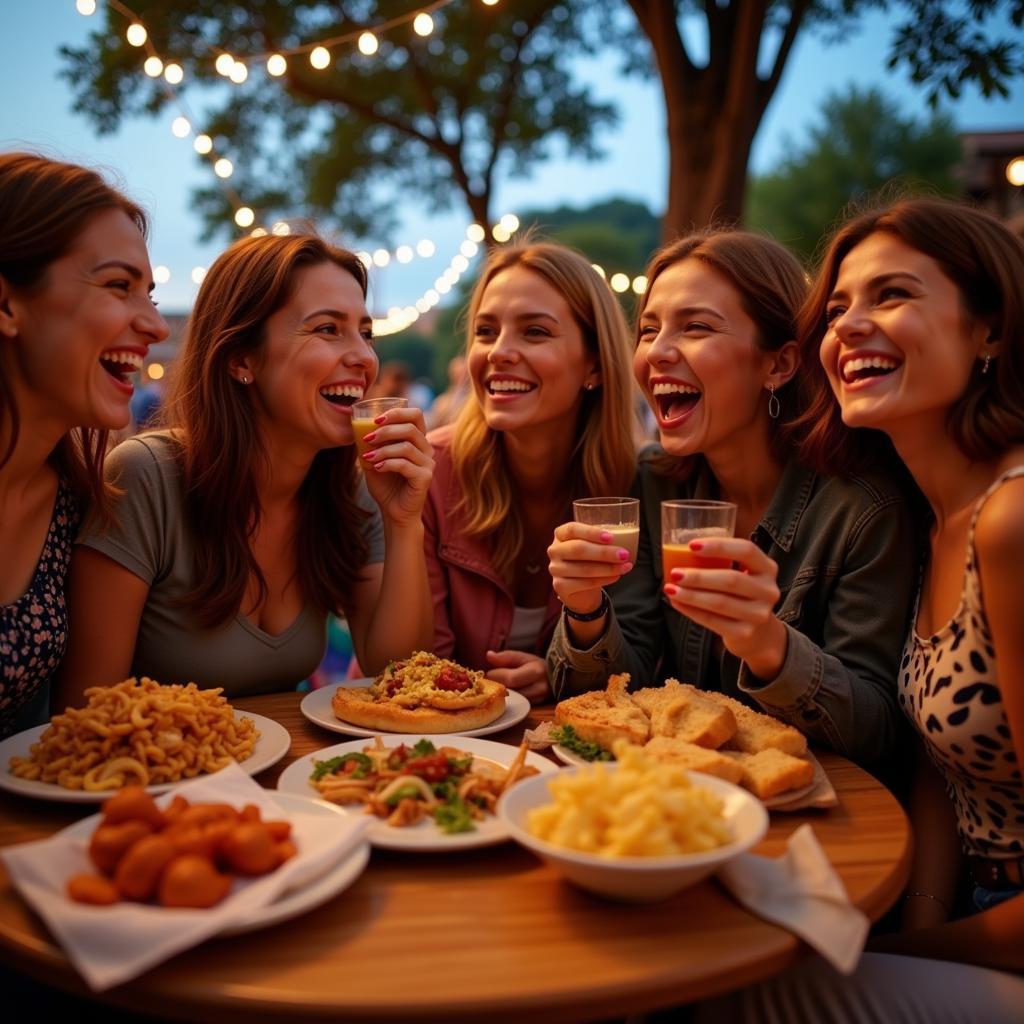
<point x="550" y="420"/>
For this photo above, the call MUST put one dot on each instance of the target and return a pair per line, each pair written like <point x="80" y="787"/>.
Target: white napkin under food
<point x="109" y="945"/>
<point x="802" y="892"/>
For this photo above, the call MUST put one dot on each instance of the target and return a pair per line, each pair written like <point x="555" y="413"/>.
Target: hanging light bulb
<point x="174" y="74"/>
<point x="404" y="254"/>
<point x="180" y="127"/>
<point x="423" y="24"/>
<point x="619" y="282"/>
<point x="198" y="273"/>
<point x="640" y="284"/>
<point x="239" y="73"/>
<point x="244" y="216"/>
<point x="381" y="257"/>
<point x="223" y="168"/>
<point x="469" y="249"/>
<point x="161" y="275"/>
<point x="154" y="67"/>
<point x="426" y="248"/>
<point x="276" y="65"/>
<point x="281" y="228"/>
<point x="368" y="44"/>
<point x="85" y="7"/>
<point x="320" y="58"/>
<point x="203" y="144"/>
<point x="224" y="63"/>
<point x="136" y="34"/>
<point x="475" y="233"/>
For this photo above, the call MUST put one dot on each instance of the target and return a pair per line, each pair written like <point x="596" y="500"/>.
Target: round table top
<point x="486" y="932"/>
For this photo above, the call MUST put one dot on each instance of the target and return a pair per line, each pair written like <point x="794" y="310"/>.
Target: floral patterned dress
<point x="34" y="629"/>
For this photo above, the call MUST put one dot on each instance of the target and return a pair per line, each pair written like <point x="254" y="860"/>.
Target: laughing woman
<point x="245" y="522"/>
<point x="807" y="622"/>
<point x="76" y="319"/>
<point x="549" y="420"/>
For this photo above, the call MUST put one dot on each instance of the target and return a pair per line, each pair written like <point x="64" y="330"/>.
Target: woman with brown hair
<point x="918" y="315"/>
<point x="245" y="521"/>
<point x="549" y="419"/>
<point x="803" y="617"/>
<point x="76" y="320"/>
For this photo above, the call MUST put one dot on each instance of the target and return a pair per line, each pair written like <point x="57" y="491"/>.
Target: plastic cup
<point x="619" y="516"/>
<point x="365" y="412"/>
<point x="683" y="521"/>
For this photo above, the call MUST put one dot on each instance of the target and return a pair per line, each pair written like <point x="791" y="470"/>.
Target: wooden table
<point x="489" y="933"/>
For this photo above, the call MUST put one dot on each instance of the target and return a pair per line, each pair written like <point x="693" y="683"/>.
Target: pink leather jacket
<point x="473" y="606"/>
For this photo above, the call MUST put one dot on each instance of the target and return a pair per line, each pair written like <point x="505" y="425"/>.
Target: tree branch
<point x="797" y="12"/>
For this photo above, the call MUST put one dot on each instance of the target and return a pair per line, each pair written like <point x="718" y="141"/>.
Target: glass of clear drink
<point x="365" y="412"/>
<point x="618" y="516"/>
<point x="683" y="521"/>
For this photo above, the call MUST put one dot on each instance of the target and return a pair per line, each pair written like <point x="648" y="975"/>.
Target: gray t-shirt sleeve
<point x="137" y="539"/>
<point x="373" y="528"/>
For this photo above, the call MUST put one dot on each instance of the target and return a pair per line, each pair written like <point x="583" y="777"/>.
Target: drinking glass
<point x="365" y="412"/>
<point x="618" y="516"/>
<point x="683" y="521"/>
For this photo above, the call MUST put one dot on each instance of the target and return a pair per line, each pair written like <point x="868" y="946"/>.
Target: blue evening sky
<point x="159" y="169"/>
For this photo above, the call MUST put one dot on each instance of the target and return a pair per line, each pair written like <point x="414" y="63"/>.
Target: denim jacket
<point x="847" y="556"/>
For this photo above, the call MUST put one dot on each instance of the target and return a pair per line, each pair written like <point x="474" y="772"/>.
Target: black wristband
<point x="601" y="610"/>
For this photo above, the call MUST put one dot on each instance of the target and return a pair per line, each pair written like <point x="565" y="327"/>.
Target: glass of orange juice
<point x="618" y="516"/>
<point x="683" y="521"/>
<point x="365" y="412"/>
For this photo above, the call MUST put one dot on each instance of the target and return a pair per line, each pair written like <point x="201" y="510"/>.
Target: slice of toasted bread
<point x="770" y="772"/>
<point x="684" y="712"/>
<point x="598" y="721"/>
<point x="757" y="731"/>
<point x="698" y="759"/>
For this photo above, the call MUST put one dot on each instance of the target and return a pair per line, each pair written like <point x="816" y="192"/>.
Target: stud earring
<point x="774" y="406"/>
<point x="986" y="364"/>
<point x="245" y="380"/>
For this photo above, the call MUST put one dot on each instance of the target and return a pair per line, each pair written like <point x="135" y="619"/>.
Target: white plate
<point x="780" y="800"/>
<point x="316" y="706"/>
<point x="424" y="836"/>
<point x="293" y="902"/>
<point x="272" y="745"/>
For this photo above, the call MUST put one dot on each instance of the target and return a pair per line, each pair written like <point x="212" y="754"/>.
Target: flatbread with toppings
<point x="424" y="694"/>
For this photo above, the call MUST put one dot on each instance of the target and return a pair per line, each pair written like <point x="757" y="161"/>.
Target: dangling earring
<point x="986" y="364"/>
<point x="774" y="406"/>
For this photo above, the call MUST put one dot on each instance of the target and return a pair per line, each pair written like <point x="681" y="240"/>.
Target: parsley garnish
<point x="565" y="735"/>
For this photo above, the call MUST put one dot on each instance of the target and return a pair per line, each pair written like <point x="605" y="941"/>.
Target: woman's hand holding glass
<point x="398" y="464"/>
<point x="738" y="603"/>
<point x="582" y="561"/>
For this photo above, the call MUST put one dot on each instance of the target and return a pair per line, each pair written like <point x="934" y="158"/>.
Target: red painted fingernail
<point x="370" y="437"/>
<point x="678" y="575"/>
<point x="382" y="418"/>
<point x="670" y="590"/>
<point x="696" y="545"/>
<point x="626" y="566"/>
<point x="379" y="467"/>
<point x="370" y="456"/>
<point x="606" y="537"/>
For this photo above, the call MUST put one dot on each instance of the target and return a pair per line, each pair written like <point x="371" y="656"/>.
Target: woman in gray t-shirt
<point x="245" y="521"/>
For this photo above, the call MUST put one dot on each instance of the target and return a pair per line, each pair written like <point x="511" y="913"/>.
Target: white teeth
<point x="509" y="385"/>
<point x="872" y="362"/>
<point x="119" y="358"/>
<point x="345" y="390"/>
<point x="674" y="388"/>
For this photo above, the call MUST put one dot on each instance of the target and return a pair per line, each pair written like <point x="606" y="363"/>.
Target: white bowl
<point x="635" y="879"/>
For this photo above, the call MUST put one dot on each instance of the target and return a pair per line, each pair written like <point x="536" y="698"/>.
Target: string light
<point x="490" y="3"/>
<point x="224" y="63"/>
<point x="640" y="284"/>
<point x="155" y="371"/>
<point x="619" y="282"/>
<point x="174" y="74"/>
<point x="239" y="73"/>
<point x="203" y="144"/>
<point x="426" y="248"/>
<point x="381" y="257"/>
<point x="368" y="44"/>
<point x="475" y="233"/>
<point x="276" y="65"/>
<point x="161" y="275"/>
<point x="404" y="254"/>
<point x="469" y="249"/>
<point x="244" y="216"/>
<point x="281" y="227"/>
<point x="258" y="233"/>
<point x="423" y="24"/>
<point x="501" y="233"/>
<point x="198" y="274"/>
<point x="1015" y="171"/>
<point x="320" y="58"/>
<point x="599" y="269"/>
<point x="223" y="168"/>
<point x="85" y="7"/>
<point x="180" y="127"/>
<point x="153" y="67"/>
<point x="136" y="34"/>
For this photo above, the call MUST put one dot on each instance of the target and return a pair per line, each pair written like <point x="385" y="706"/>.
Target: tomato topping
<point x="431" y="768"/>
<point x="453" y="679"/>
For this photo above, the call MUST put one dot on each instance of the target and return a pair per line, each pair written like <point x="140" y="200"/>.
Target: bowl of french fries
<point x="635" y="830"/>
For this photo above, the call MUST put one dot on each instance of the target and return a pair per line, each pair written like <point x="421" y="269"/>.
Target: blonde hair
<point x="603" y="460"/>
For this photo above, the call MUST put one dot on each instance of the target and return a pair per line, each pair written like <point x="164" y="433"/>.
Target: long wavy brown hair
<point x="985" y="260"/>
<point x="603" y="460"/>
<point x="45" y="205"/>
<point x="771" y="285"/>
<point x="219" y="444"/>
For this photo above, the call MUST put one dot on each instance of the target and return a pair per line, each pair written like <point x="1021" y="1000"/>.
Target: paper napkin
<point x="802" y="892"/>
<point x="109" y="945"/>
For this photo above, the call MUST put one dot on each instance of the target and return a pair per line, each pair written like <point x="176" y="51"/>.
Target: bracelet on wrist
<point x="599" y="612"/>
<point x="928" y="896"/>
